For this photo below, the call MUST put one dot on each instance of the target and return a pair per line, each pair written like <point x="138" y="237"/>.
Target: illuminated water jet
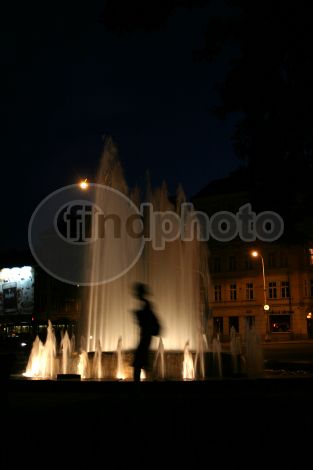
<point x="120" y="373"/>
<point x="42" y="362"/>
<point x="83" y="367"/>
<point x="178" y="279"/>
<point x="188" y="366"/>
<point x="66" y="348"/>
<point x="159" y="361"/>
<point x="177" y="276"/>
<point x="97" y="371"/>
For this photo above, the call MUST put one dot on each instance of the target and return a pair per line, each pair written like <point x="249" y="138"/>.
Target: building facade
<point x="239" y="289"/>
<point x="280" y="277"/>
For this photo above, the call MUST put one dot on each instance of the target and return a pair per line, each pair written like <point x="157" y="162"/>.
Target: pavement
<point x="239" y="422"/>
<point x="229" y="421"/>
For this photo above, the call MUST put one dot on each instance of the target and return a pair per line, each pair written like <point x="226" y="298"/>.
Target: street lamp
<point x="266" y="307"/>
<point x="84" y="184"/>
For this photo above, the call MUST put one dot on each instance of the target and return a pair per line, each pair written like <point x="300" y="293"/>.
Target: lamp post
<point x="266" y="307"/>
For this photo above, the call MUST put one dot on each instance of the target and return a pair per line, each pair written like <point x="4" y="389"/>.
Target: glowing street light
<point x="266" y="307"/>
<point x="84" y="184"/>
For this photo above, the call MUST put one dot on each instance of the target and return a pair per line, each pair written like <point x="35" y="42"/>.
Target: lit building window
<point x="218" y="293"/>
<point x="234" y="322"/>
<point x="249" y="291"/>
<point x="272" y="290"/>
<point x="233" y="292"/>
<point x="216" y="264"/>
<point x="232" y="265"/>
<point x="311" y="256"/>
<point x="218" y="325"/>
<point x="280" y="323"/>
<point x="285" y="290"/>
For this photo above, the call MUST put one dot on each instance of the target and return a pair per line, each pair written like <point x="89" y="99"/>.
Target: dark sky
<point x="67" y="83"/>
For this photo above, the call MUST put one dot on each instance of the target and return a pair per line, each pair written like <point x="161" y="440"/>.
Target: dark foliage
<point x="269" y="84"/>
<point x="124" y="16"/>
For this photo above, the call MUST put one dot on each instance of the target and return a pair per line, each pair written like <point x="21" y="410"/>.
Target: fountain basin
<point x="68" y="377"/>
<point x="173" y="365"/>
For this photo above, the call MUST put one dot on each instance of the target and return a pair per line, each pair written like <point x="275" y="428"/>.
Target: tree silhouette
<point x="269" y="85"/>
<point x="124" y="16"/>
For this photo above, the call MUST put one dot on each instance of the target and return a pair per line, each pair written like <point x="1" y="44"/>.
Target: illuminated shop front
<point x="17" y="290"/>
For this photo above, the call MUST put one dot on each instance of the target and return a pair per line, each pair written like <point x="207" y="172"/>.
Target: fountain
<point x="176" y="275"/>
<point x="42" y="360"/>
<point x="178" y="279"/>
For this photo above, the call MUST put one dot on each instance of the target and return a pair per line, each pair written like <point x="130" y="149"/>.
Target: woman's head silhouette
<point x="140" y="290"/>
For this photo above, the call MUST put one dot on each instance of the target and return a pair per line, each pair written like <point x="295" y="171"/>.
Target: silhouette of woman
<point x="149" y="326"/>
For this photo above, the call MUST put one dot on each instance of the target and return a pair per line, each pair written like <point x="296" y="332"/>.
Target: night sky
<point x="67" y="83"/>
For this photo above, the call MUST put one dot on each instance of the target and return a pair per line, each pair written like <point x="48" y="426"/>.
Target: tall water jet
<point x="83" y="367"/>
<point x="177" y="274"/>
<point x="199" y="359"/>
<point x="49" y="353"/>
<point x="159" y="363"/>
<point x="120" y="372"/>
<point x="66" y="349"/>
<point x="33" y="368"/>
<point x="73" y="343"/>
<point x="188" y="366"/>
<point x="97" y="362"/>
<point x="42" y="362"/>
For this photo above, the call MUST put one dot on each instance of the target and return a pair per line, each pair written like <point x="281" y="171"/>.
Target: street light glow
<point x="255" y="254"/>
<point x="84" y="184"/>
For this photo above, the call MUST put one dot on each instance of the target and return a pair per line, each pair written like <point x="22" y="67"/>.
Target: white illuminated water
<point x="178" y="280"/>
<point x="177" y="277"/>
<point x="120" y="372"/>
<point x="188" y="365"/>
<point x="159" y="361"/>
<point x="83" y="367"/>
<point x="66" y="349"/>
<point x="42" y="360"/>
